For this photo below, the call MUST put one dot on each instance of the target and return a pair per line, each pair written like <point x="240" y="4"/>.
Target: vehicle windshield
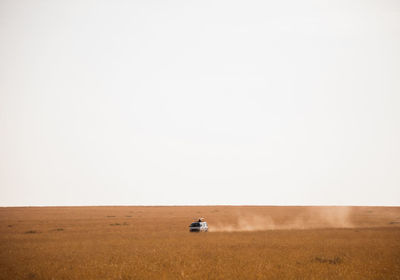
<point x="195" y="225"/>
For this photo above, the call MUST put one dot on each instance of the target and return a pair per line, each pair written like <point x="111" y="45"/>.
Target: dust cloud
<point x="320" y="217"/>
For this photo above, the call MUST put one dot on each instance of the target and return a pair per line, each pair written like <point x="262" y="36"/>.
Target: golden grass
<point x="154" y="243"/>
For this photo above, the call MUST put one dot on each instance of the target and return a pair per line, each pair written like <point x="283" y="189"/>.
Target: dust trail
<point x="319" y="217"/>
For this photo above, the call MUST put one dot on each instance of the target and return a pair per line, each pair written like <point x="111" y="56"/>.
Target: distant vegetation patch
<point x="31" y="275"/>
<point x="31" y="231"/>
<point x="335" y="260"/>
<point x="118" y="224"/>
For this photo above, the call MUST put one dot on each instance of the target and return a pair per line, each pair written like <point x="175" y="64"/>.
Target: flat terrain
<point x="243" y="243"/>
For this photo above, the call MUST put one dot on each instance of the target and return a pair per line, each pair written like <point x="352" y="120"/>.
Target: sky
<point x="199" y="102"/>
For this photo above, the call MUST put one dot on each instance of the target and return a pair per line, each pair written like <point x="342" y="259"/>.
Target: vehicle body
<point x="198" y="226"/>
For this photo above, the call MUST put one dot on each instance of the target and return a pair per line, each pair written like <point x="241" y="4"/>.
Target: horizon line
<point x="202" y="205"/>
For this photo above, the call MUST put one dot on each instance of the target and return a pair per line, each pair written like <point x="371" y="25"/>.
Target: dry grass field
<point x="243" y="243"/>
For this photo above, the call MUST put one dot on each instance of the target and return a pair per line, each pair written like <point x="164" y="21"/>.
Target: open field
<point x="243" y="243"/>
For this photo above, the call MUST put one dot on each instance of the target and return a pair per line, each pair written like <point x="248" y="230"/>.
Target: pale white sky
<point x="200" y="102"/>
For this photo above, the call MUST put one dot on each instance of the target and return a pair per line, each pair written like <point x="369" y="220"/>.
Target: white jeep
<point x="198" y="226"/>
